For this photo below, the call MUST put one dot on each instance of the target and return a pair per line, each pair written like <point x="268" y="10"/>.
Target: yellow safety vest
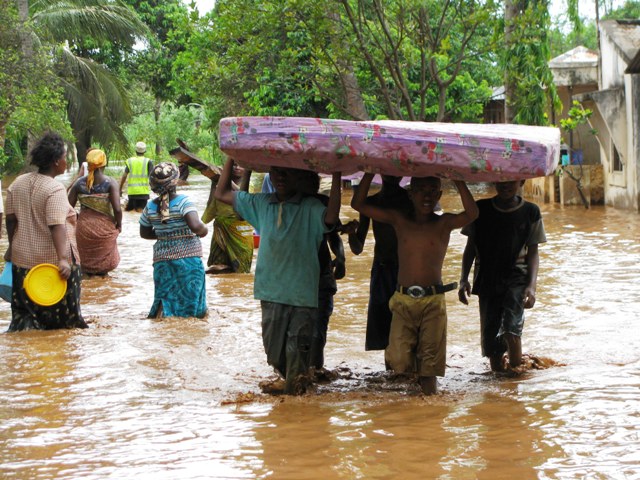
<point x="138" y="180"/>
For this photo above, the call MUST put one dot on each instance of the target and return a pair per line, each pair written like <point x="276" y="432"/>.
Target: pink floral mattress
<point x="471" y="152"/>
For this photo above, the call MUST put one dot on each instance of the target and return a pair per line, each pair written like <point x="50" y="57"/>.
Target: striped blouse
<point x="175" y="238"/>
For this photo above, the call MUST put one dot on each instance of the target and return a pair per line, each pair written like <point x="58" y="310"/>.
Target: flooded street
<point x="137" y="398"/>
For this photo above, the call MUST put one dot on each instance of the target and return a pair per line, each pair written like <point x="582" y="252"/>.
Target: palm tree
<point x="97" y="102"/>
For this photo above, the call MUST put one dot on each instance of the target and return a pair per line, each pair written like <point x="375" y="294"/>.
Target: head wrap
<point x="163" y="180"/>
<point x="95" y="159"/>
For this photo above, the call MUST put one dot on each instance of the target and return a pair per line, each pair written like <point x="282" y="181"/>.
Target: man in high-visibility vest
<point x="137" y="169"/>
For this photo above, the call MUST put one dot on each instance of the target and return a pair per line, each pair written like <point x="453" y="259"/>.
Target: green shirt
<point x="287" y="269"/>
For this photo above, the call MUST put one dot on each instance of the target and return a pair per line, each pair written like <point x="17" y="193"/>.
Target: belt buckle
<point x="416" y="291"/>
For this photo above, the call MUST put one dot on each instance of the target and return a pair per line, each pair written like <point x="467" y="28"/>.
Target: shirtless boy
<point x="419" y="326"/>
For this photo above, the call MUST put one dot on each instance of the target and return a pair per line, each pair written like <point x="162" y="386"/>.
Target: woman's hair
<point x="49" y="148"/>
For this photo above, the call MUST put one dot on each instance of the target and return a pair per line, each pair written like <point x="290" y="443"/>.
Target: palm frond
<point x="74" y="20"/>
<point x="97" y="101"/>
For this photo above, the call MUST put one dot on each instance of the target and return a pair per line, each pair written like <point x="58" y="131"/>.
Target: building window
<point x="617" y="164"/>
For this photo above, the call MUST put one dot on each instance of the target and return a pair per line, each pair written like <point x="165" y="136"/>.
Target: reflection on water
<point x="138" y="398"/>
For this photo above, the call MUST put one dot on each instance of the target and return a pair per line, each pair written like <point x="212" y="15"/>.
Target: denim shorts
<point x="499" y="314"/>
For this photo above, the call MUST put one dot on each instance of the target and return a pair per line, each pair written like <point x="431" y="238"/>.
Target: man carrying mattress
<point x="287" y="271"/>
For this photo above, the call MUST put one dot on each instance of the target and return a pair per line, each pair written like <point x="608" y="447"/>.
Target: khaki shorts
<point x="418" y="336"/>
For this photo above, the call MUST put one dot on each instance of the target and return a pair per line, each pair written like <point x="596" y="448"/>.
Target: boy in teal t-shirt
<point x="287" y="271"/>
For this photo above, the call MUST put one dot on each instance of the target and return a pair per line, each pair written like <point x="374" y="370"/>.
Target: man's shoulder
<point x="531" y="206"/>
<point x="240" y="196"/>
<point x="138" y="159"/>
<point x="312" y="200"/>
<point x="324" y="199"/>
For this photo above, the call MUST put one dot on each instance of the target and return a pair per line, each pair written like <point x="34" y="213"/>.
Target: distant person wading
<point x="100" y="218"/>
<point x="137" y="169"/>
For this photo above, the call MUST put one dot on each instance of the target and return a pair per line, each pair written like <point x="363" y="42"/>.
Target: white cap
<point x="141" y="147"/>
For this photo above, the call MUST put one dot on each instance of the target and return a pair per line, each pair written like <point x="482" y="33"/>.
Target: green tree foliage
<point x="185" y="122"/>
<point x="529" y="82"/>
<point x="567" y="33"/>
<point x="561" y="41"/>
<point x="630" y="10"/>
<point x="416" y="49"/>
<point x="418" y="60"/>
<point x="95" y="99"/>
<point x="30" y="98"/>
<point x="250" y="58"/>
<point x="170" y="24"/>
<point x="153" y="65"/>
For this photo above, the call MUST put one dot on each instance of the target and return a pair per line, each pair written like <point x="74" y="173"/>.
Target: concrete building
<point x="616" y="107"/>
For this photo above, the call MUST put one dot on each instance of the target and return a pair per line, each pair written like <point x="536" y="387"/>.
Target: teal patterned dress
<point x="178" y="271"/>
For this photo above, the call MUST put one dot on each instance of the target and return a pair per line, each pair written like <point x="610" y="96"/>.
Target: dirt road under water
<point x="179" y="398"/>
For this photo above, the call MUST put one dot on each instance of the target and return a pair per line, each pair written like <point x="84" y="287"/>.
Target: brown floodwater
<point x="137" y="398"/>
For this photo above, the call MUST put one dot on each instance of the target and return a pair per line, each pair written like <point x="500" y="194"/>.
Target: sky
<point x="204" y="6"/>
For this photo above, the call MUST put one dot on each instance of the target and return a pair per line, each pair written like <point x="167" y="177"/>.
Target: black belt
<point x="416" y="291"/>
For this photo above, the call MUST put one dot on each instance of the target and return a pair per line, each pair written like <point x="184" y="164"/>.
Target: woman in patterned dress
<point x="41" y="226"/>
<point x="178" y="271"/>
<point x="100" y="219"/>
<point x="232" y="240"/>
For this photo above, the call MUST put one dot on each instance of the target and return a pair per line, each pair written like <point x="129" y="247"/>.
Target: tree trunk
<point x="353" y="94"/>
<point x="83" y="142"/>
<point x="156" y="115"/>
<point x="26" y="39"/>
<point x="510" y="13"/>
<point x="442" y="103"/>
<point x="355" y="106"/>
<point x="3" y="134"/>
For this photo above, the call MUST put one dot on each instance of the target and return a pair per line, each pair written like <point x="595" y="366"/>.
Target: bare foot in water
<point x="322" y="375"/>
<point x="272" y="387"/>
<point x="429" y="385"/>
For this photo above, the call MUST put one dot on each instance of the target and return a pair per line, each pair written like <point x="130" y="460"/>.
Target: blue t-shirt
<point x="287" y="269"/>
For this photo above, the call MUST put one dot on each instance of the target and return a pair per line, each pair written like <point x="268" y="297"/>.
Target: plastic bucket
<point x="6" y="282"/>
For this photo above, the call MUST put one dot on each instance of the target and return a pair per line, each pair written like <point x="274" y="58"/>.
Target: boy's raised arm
<point x="359" y="203"/>
<point x="245" y="181"/>
<point x="470" y="212"/>
<point x="224" y="191"/>
<point x="360" y="193"/>
<point x="332" y="214"/>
